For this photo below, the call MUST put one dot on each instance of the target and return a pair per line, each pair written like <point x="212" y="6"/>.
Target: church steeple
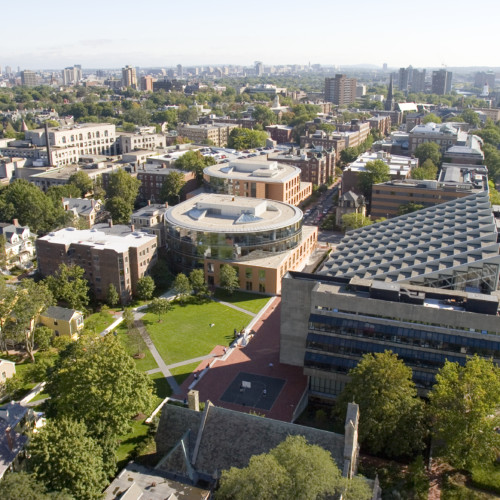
<point x="389" y="103"/>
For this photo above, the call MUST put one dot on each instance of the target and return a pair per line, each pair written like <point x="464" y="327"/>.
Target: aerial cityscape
<point x="242" y="267"/>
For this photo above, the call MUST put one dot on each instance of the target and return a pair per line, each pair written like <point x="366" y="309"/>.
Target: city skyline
<point x="112" y="36"/>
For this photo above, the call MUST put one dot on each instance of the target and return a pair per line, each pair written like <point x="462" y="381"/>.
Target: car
<point x="263" y="153"/>
<point x="225" y="161"/>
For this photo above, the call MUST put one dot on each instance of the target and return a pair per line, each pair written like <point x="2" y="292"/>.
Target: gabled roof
<point x="60" y="313"/>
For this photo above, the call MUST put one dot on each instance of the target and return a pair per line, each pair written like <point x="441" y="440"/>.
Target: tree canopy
<point x="244" y="138"/>
<point x="160" y="307"/>
<point x="294" y="469"/>
<point x="428" y="151"/>
<point x="464" y="405"/>
<point x="355" y="221"/>
<point x="24" y="486"/>
<point x="391" y="414"/>
<point x="194" y="161"/>
<point x="427" y="170"/>
<point x="145" y="287"/>
<point x="182" y="285"/>
<point x="100" y="369"/>
<point x="375" y="172"/>
<point x="69" y="286"/>
<point x="431" y="118"/>
<point x="171" y="187"/>
<point x="121" y="193"/>
<point x="82" y="181"/>
<point x="228" y="278"/>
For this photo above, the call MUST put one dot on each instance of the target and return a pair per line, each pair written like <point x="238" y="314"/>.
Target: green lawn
<point x="133" y="344"/>
<point x="185" y="332"/>
<point x="160" y="387"/>
<point x="130" y="441"/>
<point x="181" y="373"/>
<point x="99" y="321"/>
<point x="249" y="301"/>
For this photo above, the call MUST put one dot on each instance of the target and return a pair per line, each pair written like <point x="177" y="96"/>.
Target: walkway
<point x="182" y="363"/>
<point x="234" y="307"/>
<point x="156" y="355"/>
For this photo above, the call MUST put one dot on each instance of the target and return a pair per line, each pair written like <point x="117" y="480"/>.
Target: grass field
<point x="249" y="301"/>
<point x="185" y="332"/>
<point x="181" y="373"/>
<point x="98" y="322"/>
<point x="134" y="343"/>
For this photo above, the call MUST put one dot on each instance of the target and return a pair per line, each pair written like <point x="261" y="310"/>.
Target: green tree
<point x="197" y="280"/>
<point x="43" y="338"/>
<point x="408" y="208"/>
<point x="102" y="370"/>
<point x="228" y="278"/>
<point x="355" y="221"/>
<point x="128" y="318"/>
<point x="82" y="181"/>
<point x="160" y="306"/>
<point x="494" y="194"/>
<point x="32" y="300"/>
<point x="391" y="414"/>
<point x="471" y="117"/>
<point x="182" y="286"/>
<point x="55" y="193"/>
<point x="171" y="187"/>
<point x="348" y="155"/>
<point x="416" y="480"/>
<point x="112" y="296"/>
<point x="427" y="170"/>
<point x="244" y="138"/>
<point x="65" y="458"/>
<point x="122" y="191"/>
<point x="375" y="172"/>
<point x="194" y="161"/>
<point x="464" y="406"/>
<point x="24" y="486"/>
<point x="263" y="115"/>
<point x="145" y="287"/>
<point x="294" y="469"/>
<point x="428" y="151"/>
<point x="119" y="209"/>
<point x="69" y="286"/>
<point x="8" y="299"/>
<point x="431" y="118"/>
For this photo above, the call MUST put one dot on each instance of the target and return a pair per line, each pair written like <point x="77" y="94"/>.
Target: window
<point x="248" y="273"/>
<point x="262" y="275"/>
<point x="248" y="286"/>
<point x="262" y="288"/>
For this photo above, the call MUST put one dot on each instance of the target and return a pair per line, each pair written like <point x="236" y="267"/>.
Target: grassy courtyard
<point x="251" y="302"/>
<point x="185" y="332"/>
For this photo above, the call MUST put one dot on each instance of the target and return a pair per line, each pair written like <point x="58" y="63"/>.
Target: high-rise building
<point x="180" y="71"/>
<point x="441" y="82"/>
<point x="389" y="102"/>
<point x="418" y="81"/>
<point x="129" y="77"/>
<point x="259" y="68"/>
<point x="72" y="75"/>
<point x="340" y="90"/>
<point x="404" y="79"/>
<point x="147" y="83"/>
<point x="28" y="78"/>
<point x="8" y="70"/>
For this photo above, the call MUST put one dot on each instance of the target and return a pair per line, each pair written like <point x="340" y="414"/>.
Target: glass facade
<point x="190" y="247"/>
<point x="348" y="339"/>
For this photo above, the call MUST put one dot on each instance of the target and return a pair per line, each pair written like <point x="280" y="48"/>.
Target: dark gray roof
<point x="62" y="313"/>
<point x="220" y="438"/>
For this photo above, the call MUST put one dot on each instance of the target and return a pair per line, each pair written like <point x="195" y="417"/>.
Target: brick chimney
<point x="194" y="400"/>
<point x="15" y="222"/>
<point x="110" y="222"/>
<point x="132" y="228"/>
<point x="10" y="438"/>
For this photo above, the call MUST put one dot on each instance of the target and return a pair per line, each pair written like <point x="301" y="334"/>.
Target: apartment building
<point x="441" y="82"/>
<point x="320" y="139"/>
<point x="216" y="133"/>
<point x="127" y="142"/>
<point x="129" y="77"/>
<point x="28" y="78"/>
<point x="340" y="90"/>
<point x="258" y="179"/>
<point x="109" y="255"/>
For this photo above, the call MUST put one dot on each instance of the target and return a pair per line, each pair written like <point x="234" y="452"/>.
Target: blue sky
<point x="56" y="33"/>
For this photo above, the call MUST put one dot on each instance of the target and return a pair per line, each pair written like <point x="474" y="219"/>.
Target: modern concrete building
<point x="261" y="239"/>
<point x="340" y="90"/>
<point x="329" y="323"/>
<point x="452" y="245"/>
<point x="418" y="80"/>
<point x="455" y="181"/>
<point x="72" y="75"/>
<point x="28" y="78"/>
<point x="109" y="255"/>
<point x="127" y="142"/>
<point x="441" y="82"/>
<point x="216" y="133"/>
<point x="258" y="179"/>
<point x="129" y="77"/>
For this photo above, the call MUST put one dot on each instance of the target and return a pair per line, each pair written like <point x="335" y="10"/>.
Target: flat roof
<point x="233" y="214"/>
<point x="253" y="170"/>
<point x="99" y="239"/>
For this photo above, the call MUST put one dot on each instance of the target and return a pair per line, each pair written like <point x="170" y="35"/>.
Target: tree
<point x="64" y="457"/>
<point x="464" y="406"/>
<point x="375" y="172"/>
<point x="431" y="118"/>
<point x="24" y="486"/>
<point x="197" y="280"/>
<point x="171" y="187"/>
<point x="32" y="300"/>
<point x="102" y="370"/>
<point x="348" y="155"/>
<point x="82" y="181"/>
<point x="182" y="286"/>
<point x="121" y="191"/>
<point x="428" y="151"/>
<point x="128" y="318"/>
<point x="391" y="414"/>
<point x="68" y="285"/>
<point x="408" y="208"/>
<point x="294" y="469"/>
<point x="244" y="138"/>
<point x="427" y="170"/>
<point x="145" y="287"/>
<point x="8" y="299"/>
<point x="160" y="306"/>
<point x="263" y="115"/>
<point x="43" y="337"/>
<point x="471" y="117"/>
<point x="194" y="161"/>
<point x="228" y="278"/>
<point x="119" y="209"/>
<point x="355" y="221"/>
<point x="112" y="296"/>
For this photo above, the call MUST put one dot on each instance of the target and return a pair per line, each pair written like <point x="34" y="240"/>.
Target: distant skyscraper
<point x="28" y="78"/>
<point x="418" y="81"/>
<point x="389" y="102"/>
<point x="384" y="67"/>
<point x="8" y="70"/>
<point x="180" y="72"/>
<point x="129" y="77"/>
<point x="147" y="83"/>
<point x="441" y="82"/>
<point x="403" y="79"/>
<point x="259" y="68"/>
<point x="340" y="90"/>
<point x="72" y="75"/>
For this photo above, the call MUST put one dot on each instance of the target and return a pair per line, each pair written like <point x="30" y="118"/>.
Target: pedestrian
<point x="225" y="350"/>
<point x="270" y="365"/>
<point x="264" y="392"/>
<point x="196" y="376"/>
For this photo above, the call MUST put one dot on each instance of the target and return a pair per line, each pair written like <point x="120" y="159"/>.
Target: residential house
<point x="19" y="249"/>
<point x="65" y="322"/>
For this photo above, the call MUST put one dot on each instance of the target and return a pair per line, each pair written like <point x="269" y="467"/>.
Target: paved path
<point x="234" y="307"/>
<point x="156" y="355"/>
<point x="194" y="360"/>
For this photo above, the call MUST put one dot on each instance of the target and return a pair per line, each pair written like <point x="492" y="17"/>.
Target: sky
<point x="53" y="34"/>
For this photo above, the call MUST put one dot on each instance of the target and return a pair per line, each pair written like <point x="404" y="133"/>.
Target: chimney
<point x="110" y="222"/>
<point x="92" y="202"/>
<point x="49" y="155"/>
<point x="194" y="400"/>
<point x="132" y="228"/>
<point x="10" y="438"/>
<point x="166" y="204"/>
<point x="15" y="222"/>
<point x="149" y="203"/>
